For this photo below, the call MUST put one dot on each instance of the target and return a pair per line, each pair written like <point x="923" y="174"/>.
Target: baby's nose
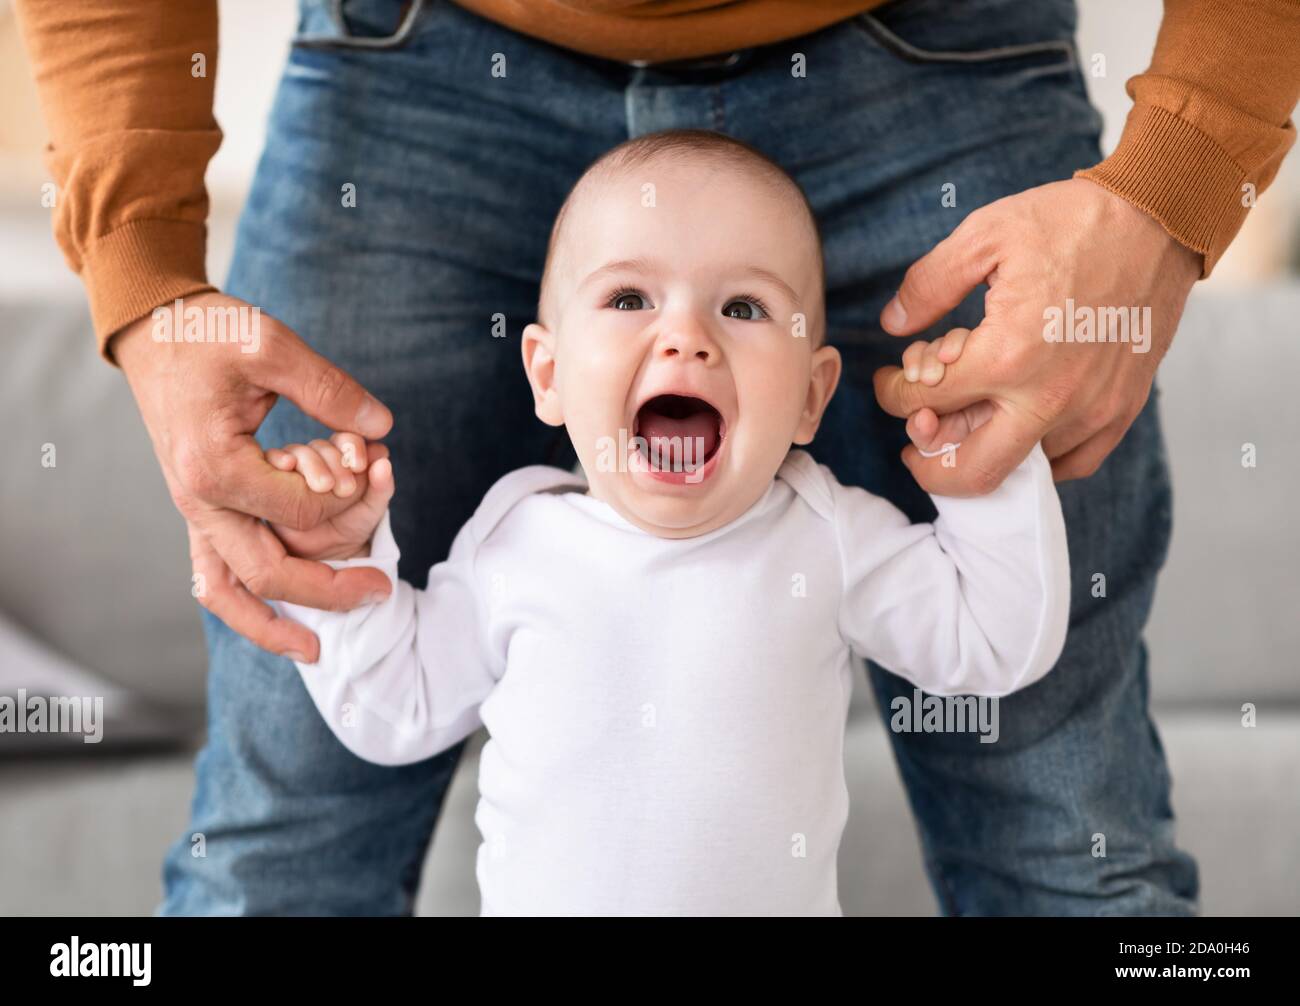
<point x="687" y="339"/>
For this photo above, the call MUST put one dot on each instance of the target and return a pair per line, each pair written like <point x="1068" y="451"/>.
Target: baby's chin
<point x="674" y="514"/>
<point x="672" y="518"/>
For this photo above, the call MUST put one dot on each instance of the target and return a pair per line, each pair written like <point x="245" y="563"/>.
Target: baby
<point x="661" y="651"/>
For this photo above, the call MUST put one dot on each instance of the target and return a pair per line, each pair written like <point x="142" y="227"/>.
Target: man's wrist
<point x="1179" y="176"/>
<point x="1185" y="262"/>
<point x="120" y="346"/>
<point x="138" y="267"/>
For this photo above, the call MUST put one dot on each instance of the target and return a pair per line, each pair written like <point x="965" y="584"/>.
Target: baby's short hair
<point x="701" y="143"/>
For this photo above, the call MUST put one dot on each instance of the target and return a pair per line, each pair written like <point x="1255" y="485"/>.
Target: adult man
<point x="415" y="157"/>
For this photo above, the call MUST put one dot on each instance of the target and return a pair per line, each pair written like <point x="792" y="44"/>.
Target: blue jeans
<point x="458" y="174"/>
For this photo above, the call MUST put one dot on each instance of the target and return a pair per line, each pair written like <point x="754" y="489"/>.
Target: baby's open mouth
<point x="680" y="433"/>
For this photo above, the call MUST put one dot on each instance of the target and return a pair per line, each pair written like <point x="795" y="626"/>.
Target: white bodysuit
<point x="666" y="717"/>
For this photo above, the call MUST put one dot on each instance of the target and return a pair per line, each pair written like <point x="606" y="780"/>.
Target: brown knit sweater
<point x="131" y="130"/>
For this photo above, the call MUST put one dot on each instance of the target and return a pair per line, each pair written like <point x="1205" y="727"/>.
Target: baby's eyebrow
<point x="645" y="265"/>
<point x="776" y="281"/>
<point x="621" y="265"/>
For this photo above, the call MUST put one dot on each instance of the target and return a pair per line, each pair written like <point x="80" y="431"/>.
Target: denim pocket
<point x="360" y="24"/>
<point x="1047" y="54"/>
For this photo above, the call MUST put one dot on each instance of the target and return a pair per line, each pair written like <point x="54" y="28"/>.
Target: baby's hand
<point x="336" y="465"/>
<point x="924" y="361"/>
<point x="931" y="433"/>
<point x="936" y="435"/>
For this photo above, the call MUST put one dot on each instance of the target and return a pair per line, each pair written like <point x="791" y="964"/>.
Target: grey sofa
<point x="94" y="572"/>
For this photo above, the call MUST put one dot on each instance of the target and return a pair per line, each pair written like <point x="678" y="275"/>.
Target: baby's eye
<point x="626" y="300"/>
<point x="751" y="309"/>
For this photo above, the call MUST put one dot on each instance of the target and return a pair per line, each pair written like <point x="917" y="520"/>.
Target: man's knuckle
<point x="305" y="512"/>
<point x="194" y="471"/>
<point x="980" y="232"/>
<point x="1099" y="414"/>
<point x="1086" y="467"/>
<point x="1123" y="406"/>
<point x="186" y="505"/>
<point x="919" y="283"/>
<point x="1003" y="360"/>
<point x="914" y="397"/>
<point x="330" y="383"/>
<point x="975" y="230"/>
<point x="1018" y="357"/>
<point x="1052" y="400"/>
<point x="262" y="581"/>
<point x="1002" y="372"/>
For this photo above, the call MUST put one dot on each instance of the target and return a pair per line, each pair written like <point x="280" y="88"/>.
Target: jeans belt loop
<point x="345" y="39"/>
<point x="718" y="61"/>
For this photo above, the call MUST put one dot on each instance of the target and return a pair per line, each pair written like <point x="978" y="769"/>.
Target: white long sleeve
<point x="668" y="737"/>
<point x="977" y="603"/>
<point x="402" y="680"/>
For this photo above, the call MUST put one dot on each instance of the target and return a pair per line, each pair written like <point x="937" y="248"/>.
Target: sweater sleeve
<point x="977" y="602"/>
<point x="1211" y="118"/>
<point x="402" y="680"/>
<point x="126" y="88"/>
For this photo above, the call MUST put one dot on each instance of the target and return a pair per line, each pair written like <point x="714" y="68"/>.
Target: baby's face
<point x="685" y="308"/>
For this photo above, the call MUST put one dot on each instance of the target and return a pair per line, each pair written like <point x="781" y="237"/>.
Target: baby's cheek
<point x="590" y="430"/>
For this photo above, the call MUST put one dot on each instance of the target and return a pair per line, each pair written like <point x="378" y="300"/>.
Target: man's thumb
<point x="938" y="281"/>
<point x="321" y="389"/>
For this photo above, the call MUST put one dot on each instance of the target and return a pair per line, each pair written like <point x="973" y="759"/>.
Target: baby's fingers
<point x="950" y="346"/>
<point x="380" y="490"/>
<point x="931" y="366"/>
<point x="281" y="459"/>
<point x="313" y="468"/>
<point x="921" y="362"/>
<point x="913" y="358"/>
<point x="352" y="449"/>
<point x="923" y="428"/>
<point x="345" y="482"/>
<point x="364" y="517"/>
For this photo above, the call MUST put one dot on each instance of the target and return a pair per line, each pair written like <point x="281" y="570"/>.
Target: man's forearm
<point x="126" y="87"/>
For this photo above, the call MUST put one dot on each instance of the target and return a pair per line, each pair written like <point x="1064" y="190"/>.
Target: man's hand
<point x="1069" y="240"/>
<point x="202" y="403"/>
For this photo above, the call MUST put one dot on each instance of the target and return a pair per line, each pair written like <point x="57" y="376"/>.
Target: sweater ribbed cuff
<point x="131" y="270"/>
<point x="1169" y="169"/>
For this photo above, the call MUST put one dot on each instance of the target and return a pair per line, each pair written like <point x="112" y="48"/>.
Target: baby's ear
<point x="538" y="347"/>
<point x="822" y="381"/>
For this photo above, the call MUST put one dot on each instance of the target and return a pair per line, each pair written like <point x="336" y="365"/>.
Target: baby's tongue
<point x="660" y="430"/>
